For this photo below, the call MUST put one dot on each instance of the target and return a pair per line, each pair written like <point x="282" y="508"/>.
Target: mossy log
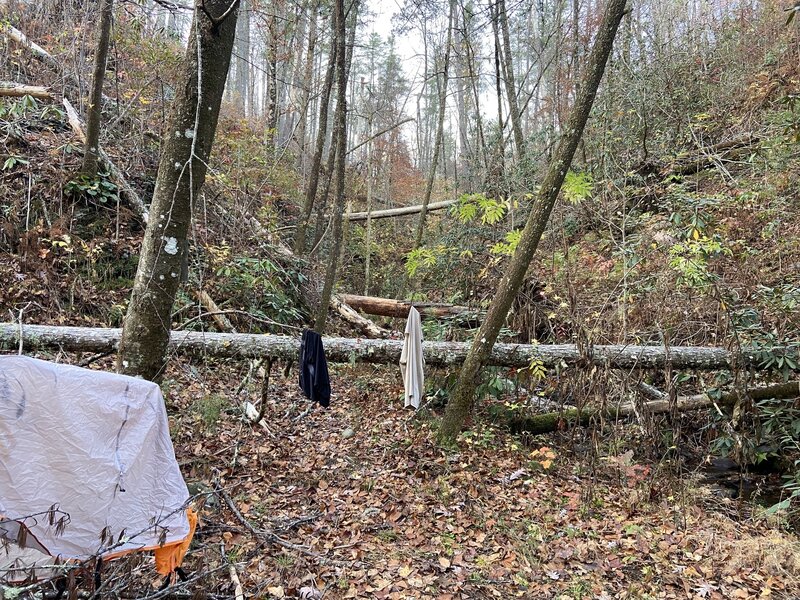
<point x="518" y="421"/>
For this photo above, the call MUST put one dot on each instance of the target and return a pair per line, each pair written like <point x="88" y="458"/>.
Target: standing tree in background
<point x="439" y="141"/>
<point x="462" y="399"/>
<point x="92" y="151"/>
<point x="316" y="159"/>
<point x="181" y="172"/>
<point x="242" y="83"/>
<point x="511" y="86"/>
<point x="340" y="136"/>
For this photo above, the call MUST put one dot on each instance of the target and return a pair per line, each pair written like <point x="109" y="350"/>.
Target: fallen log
<point x="388" y="307"/>
<point x="219" y="317"/>
<point x="344" y="350"/>
<point x="399" y="212"/>
<point x="16" y="35"/>
<point x="549" y="422"/>
<point x="43" y="55"/>
<point x="12" y="89"/>
<point x="712" y="156"/>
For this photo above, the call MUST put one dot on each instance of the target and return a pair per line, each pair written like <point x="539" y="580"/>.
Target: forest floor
<point x="365" y="504"/>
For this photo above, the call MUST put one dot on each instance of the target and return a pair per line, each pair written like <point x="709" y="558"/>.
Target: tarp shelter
<point x="95" y="446"/>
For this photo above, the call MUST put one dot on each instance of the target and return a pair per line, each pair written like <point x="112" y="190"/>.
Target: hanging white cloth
<point x="412" y="361"/>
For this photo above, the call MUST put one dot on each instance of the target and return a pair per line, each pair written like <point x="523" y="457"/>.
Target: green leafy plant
<point x="260" y="286"/>
<point x="420" y="258"/>
<point x="13" y="161"/>
<point x="689" y="260"/>
<point x="577" y="186"/>
<point x="96" y="189"/>
<point x="509" y="246"/>
<point x="490" y="210"/>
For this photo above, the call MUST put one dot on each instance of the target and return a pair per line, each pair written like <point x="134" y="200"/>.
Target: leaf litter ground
<point x="358" y="501"/>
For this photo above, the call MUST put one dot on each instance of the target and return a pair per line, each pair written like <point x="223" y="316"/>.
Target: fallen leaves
<point x="394" y="516"/>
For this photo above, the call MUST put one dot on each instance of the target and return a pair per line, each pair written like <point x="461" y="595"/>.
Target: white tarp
<point x="97" y="446"/>
<point x="412" y="361"/>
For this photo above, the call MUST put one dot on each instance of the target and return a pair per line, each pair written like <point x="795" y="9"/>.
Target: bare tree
<point x="181" y="172"/>
<point x="316" y="160"/>
<point x="306" y="85"/>
<point x="461" y="401"/>
<point x="437" y="146"/>
<point x="511" y="86"/>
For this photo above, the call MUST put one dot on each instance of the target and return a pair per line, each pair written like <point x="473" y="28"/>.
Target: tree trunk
<point x="322" y="202"/>
<point x="387" y="351"/>
<point x="272" y="73"/>
<point x="181" y="172"/>
<point x="399" y="212"/>
<point x="496" y="174"/>
<point x="93" y="113"/>
<point x="368" y="233"/>
<point x="308" y="78"/>
<point x="511" y="86"/>
<point x="316" y="161"/>
<point x="17" y="90"/>
<point x="341" y="149"/>
<point x="241" y="83"/>
<point x="437" y="145"/>
<point x="462" y="399"/>
<point x="548" y="422"/>
<point x="388" y="307"/>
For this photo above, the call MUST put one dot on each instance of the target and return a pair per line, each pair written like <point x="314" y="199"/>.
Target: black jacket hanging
<point x="314" y="379"/>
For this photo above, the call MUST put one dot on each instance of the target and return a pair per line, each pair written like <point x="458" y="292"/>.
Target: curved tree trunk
<point x="460" y="404"/>
<point x="181" y="172"/>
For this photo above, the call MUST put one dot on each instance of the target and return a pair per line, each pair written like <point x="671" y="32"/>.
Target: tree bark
<point x="548" y="422"/>
<point x="316" y="161"/>
<point x="308" y="78"/>
<point x="17" y="90"/>
<point x="241" y="64"/>
<point x="462" y="399"/>
<point x="388" y="307"/>
<point x="340" y="26"/>
<point x="399" y="212"/>
<point x="272" y="68"/>
<point x="439" y="141"/>
<point x="511" y="86"/>
<point x="94" y="111"/>
<point x="440" y="354"/>
<point x="181" y="172"/>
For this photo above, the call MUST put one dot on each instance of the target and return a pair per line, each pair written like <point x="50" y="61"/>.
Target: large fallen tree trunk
<point x="387" y="307"/>
<point x="241" y="345"/>
<point x="399" y="212"/>
<point x="547" y="422"/>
